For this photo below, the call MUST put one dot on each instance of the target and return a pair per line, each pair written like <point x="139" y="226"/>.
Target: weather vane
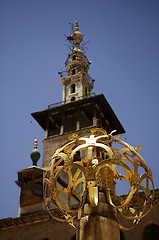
<point x="71" y="38"/>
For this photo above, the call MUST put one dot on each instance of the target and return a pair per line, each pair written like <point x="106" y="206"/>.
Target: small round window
<point x="73" y="99"/>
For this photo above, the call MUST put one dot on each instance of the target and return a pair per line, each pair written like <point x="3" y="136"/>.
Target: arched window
<point x="151" y="232"/>
<point x="73" y="71"/>
<point x="74" y="57"/>
<point x="73" y="88"/>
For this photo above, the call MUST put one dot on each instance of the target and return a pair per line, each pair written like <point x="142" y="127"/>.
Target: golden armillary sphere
<point x="86" y="166"/>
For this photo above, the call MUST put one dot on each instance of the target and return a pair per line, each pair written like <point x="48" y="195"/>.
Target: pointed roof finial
<point x="35" y="154"/>
<point x="77" y="27"/>
<point x="35" y="142"/>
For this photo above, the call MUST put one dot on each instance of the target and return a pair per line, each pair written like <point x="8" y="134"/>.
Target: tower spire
<point x="77" y="84"/>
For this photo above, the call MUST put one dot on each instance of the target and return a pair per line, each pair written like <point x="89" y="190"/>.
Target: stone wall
<point x="53" y="143"/>
<point x="30" y="229"/>
<point x="42" y="227"/>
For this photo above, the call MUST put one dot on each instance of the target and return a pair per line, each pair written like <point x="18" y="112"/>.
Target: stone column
<point x="64" y="94"/>
<point x="47" y="128"/>
<point x="61" y="130"/>
<point x="98" y="223"/>
<point x="95" y="122"/>
<point x="77" y="125"/>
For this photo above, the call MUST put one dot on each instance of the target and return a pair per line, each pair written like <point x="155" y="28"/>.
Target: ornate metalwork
<point x="82" y="168"/>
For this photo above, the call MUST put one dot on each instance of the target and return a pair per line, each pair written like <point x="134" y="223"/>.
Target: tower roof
<point x="89" y="105"/>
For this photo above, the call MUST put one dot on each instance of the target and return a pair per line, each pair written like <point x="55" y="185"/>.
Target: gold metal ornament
<point x="85" y="166"/>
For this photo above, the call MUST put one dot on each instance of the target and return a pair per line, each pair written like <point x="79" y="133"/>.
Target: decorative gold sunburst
<point x="87" y="165"/>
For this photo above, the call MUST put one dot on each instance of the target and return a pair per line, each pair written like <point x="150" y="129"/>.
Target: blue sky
<point x="124" y="50"/>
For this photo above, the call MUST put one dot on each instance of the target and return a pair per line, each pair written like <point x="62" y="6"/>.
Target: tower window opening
<point x="86" y="92"/>
<point x="73" y="88"/>
<point x="122" y="237"/>
<point x="74" y="58"/>
<point x="73" y="71"/>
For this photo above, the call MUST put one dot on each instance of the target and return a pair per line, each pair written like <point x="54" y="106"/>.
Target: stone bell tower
<point x="79" y="111"/>
<point x="77" y="84"/>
